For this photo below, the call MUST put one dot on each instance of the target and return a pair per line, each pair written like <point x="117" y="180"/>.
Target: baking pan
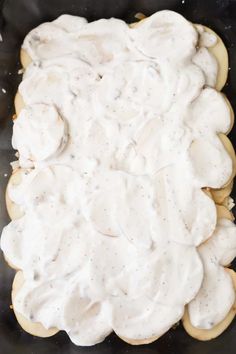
<point x="17" y="18"/>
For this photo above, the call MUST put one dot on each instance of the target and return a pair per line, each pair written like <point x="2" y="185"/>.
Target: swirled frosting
<point x="120" y="130"/>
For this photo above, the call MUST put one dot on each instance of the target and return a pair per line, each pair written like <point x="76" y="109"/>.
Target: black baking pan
<point x="17" y="18"/>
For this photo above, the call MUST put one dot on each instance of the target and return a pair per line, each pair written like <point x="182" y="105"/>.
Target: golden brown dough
<point x="224" y="213"/>
<point x="25" y="61"/>
<point x="230" y="149"/>
<point x="36" y="329"/>
<point x="25" y="58"/>
<point x="231" y="113"/>
<point x="19" y="103"/>
<point x="139" y="341"/>
<point x="207" y="191"/>
<point x="219" y="195"/>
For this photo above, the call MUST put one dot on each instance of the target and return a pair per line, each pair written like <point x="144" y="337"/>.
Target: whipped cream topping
<point x="216" y="296"/>
<point x="38" y="133"/>
<point x="113" y="205"/>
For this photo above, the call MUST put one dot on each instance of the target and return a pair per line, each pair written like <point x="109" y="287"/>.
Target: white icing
<point x="111" y="273"/>
<point x="38" y="133"/>
<point x="217" y="295"/>
<point x="114" y="211"/>
<point x="203" y="58"/>
<point x="207" y="40"/>
<point x="207" y="62"/>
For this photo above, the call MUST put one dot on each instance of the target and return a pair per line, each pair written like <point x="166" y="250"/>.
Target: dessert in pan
<point x="120" y="197"/>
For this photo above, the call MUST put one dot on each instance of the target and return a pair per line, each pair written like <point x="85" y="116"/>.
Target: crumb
<point x="5" y="174"/>
<point x="14" y="164"/>
<point x="176" y="325"/>
<point x="11" y="307"/>
<point x="3" y="90"/>
<point x="1" y="40"/>
<point x="183" y="1"/>
<point x="229" y="203"/>
<point x="139" y="16"/>
<point x="20" y="71"/>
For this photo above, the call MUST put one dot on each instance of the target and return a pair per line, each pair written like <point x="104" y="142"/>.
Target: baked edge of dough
<point x="33" y="328"/>
<point x="208" y="334"/>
